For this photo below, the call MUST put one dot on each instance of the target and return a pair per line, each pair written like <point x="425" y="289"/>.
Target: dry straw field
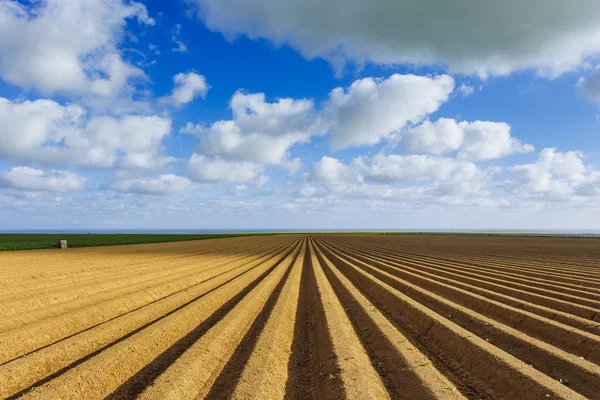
<point x="304" y="317"/>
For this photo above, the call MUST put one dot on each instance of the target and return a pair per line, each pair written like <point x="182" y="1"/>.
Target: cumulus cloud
<point x="590" y="85"/>
<point x="260" y="131"/>
<point x="331" y="170"/>
<point x="158" y="185"/>
<point x="394" y="167"/>
<point x="239" y="190"/>
<point x="188" y="86"/>
<point x="550" y="36"/>
<point x="368" y="111"/>
<point x="372" y="109"/>
<point x="154" y="48"/>
<point x="35" y="180"/>
<point x="331" y="177"/>
<point x="67" y="46"/>
<point x="214" y="169"/>
<point x="423" y="179"/>
<point x="180" y="46"/>
<point x="138" y="137"/>
<point x="45" y="131"/>
<point x="479" y="140"/>
<point x="466" y="90"/>
<point x="262" y="181"/>
<point x="486" y="140"/>
<point x="555" y="176"/>
<point x="436" y="138"/>
<point x="28" y="129"/>
<point x="193" y="129"/>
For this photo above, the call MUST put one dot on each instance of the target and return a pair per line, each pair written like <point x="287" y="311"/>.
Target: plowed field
<point x="304" y="317"/>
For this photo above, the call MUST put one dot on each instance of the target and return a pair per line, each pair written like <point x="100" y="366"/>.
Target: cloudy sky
<point x="299" y="114"/>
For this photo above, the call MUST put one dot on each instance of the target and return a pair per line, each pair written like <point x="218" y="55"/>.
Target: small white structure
<point x="62" y="244"/>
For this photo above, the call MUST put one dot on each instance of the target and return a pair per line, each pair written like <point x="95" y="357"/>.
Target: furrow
<point x="29" y="277"/>
<point x="119" y="359"/>
<point x="489" y="264"/>
<point x="526" y="267"/>
<point x="577" y="316"/>
<point x="533" y="285"/>
<point x="16" y="342"/>
<point x="190" y="374"/>
<point x="479" y="369"/>
<point x="582" y="375"/>
<point x="358" y="376"/>
<point x="572" y="340"/>
<point x="406" y="372"/>
<point x="266" y="370"/>
<point x="100" y="283"/>
<point x="327" y="316"/>
<point x="313" y="359"/>
<point x="151" y="288"/>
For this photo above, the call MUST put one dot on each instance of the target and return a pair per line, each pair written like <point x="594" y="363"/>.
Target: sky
<point x="303" y="114"/>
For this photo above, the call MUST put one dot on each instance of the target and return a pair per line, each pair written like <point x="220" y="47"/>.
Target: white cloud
<point x="192" y="129"/>
<point x="569" y="164"/>
<point x="214" y="169"/>
<point x="485" y="37"/>
<point x="486" y="140"/>
<point x="308" y="190"/>
<point x="372" y="109"/>
<point x="556" y="176"/>
<point x="188" y="86"/>
<point x="47" y="132"/>
<point x="239" y="190"/>
<point x="157" y="185"/>
<point x="436" y="138"/>
<point x="180" y="46"/>
<point x="260" y="132"/>
<point x="227" y="139"/>
<point x="590" y="86"/>
<point x="35" y="180"/>
<point x="118" y="73"/>
<point x="30" y="128"/>
<point x="369" y="110"/>
<point x="466" y="90"/>
<point x="139" y="137"/>
<point x="394" y="167"/>
<point x="425" y="180"/>
<point x="67" y="46"/>
<point x="154" y="48"/>
<point x="262" y="181"/>
<point x="479" y="140"/>
<point x="331" y="170"/>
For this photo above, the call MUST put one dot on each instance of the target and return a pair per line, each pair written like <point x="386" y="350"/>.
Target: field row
<point x="319" y="316"/>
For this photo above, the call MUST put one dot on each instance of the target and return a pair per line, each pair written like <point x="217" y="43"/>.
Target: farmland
<point x="303" y="317"/>
<point x="34" y="241"/>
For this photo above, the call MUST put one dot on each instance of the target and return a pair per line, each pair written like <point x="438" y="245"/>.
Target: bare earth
<point x="304" y="317"/>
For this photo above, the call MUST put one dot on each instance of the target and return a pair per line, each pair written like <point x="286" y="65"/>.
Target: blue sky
<point x="202" y="114"/>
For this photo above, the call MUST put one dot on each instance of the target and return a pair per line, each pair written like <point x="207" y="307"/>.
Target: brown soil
<point x="304" y="317"/>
